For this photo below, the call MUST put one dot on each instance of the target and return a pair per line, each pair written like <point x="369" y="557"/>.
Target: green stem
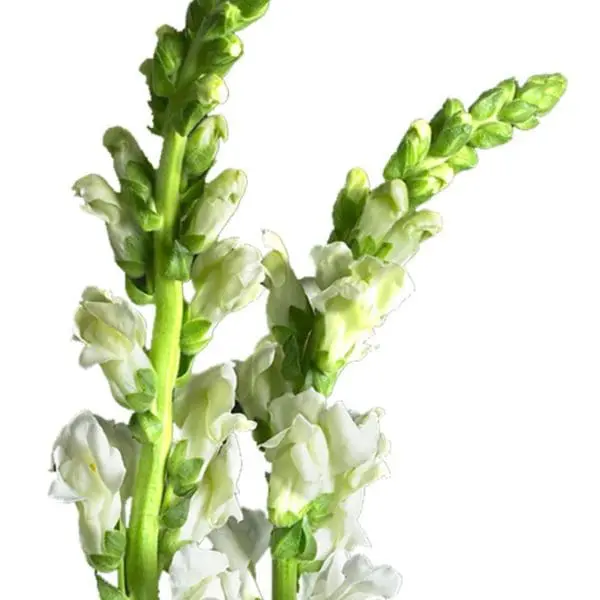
<point x="142" y="557"/>
<point x="285" y="579"/>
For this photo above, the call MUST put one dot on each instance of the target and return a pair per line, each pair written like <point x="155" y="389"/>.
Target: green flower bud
<point x="210" y="213"/>
<point x="491" y="102"/>
<point x="203" y="145"/>
<point x="413" y="149"/>
<point x="349" y="203"/>
<point x="145" y="427"/>
<point x="226" y="277"/>
<point x="543" y="91"/>
<point x="384" y="206"/>
<point x="406" y="236"/>
<point x="233" y="16"/>
<point x="128" y="241"/>
<point x="136" y="176"/>
<point x="425" y="185"/>
<point x="453" y="135"/>
<point x="168" y="58"/>
<point x="158" y="105"/>
<point x="517" y="111"/>
<point x="466" y="158"/>
<point x="197" y="11"/>
<point x="114" y="334"/>
<point x="491" y="135"/>
<point x="195" y="101"/>
<point x="217" y="55"/>
<point x="451" y="107"/>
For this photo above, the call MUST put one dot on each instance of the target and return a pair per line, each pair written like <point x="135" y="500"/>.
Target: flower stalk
<point x="142" y="560"/>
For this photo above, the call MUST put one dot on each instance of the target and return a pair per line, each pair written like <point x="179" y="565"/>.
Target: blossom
<point x="351" y="306"/>
<point x="260" y="379"/>
<point x="89" y="472"/>
<point x="226" y="278"/>
<point x="128" y="241"/>
<point x="202" y="412"/>
<point x="114" y="334"/>
<point x="350" y="579"/>
<point x="211" y="212"/>
<point x="215" y="499"/>
<point x="319" y="450"/>
<point x="198" y="574"/>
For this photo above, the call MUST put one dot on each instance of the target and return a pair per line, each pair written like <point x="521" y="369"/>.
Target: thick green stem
<point x="285" y="579"/>
<point x="142" y="553"/>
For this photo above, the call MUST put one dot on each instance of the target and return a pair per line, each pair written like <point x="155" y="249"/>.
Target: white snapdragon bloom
<point x="199" y="574"/>
<point x="114" y="334"/>
<point x="90" y="472"/>
<point x="211" y="212"/>
<point x="383" y="207"/>
<point x="350" y="579"/>
<point x="226" y="277"/>
<point x="260" y="379"/>
<point x="317" y="451"/>
<point x="342" y="530"/>
<point x="406" y="236"/>
<point x="285" y="290"/>
<point x="353" y="305"/>
<point x="215" y="500"/>
<point x="202" y="412"/>
<point x="119" y="435"/>
<point x="128" y="241"/>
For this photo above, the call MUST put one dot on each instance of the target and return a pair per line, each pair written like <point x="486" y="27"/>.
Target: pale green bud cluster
<point x="380" y="222"/>
<point x="114" y="334"/>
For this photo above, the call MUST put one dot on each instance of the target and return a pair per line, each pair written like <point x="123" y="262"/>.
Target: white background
<point x="488" y="374"/>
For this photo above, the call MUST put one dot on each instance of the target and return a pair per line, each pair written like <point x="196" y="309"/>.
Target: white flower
<point x="215" y="500"/>
<point x="333" y="262"/>
<point x="342" y="530"/>
<point x="90" y="472"/>
<point x="350" y="579"/>
<point x="202" y="412"/>
<point x="352" y="306"/>
<point x="199" y="574"/>
<point x="384" y="206"/>
<point x="285" y="290"/>
<point x="114" y="334"/>
<point x="227" y="277"/>
<point x="119" y="435"/>
<point x="260" y="379"/>
<point x="243" y="542"/>
<point x="406" y="235"/>
<point x="211" y="212"/>
<point x="318" y="451"/>
<point x="128" y="241"/>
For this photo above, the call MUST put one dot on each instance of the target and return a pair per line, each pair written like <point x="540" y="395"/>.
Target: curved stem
<point x="285" y="579"/>
<point x="142" y="556"/>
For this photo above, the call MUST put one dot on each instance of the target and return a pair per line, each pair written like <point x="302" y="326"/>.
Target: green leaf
<point x="453" y="135"/>
<point x="491" y="135"/>
<point x="104" y="563"/>
<point x="466" y="158"/>
<point x="194" y="336"/>
<point x="108" y="591"/>
<point x="308" y="551"/>
<point x="188" y="472"/>
<point x="138" y="292"/>
<point x="168" y="58"/>
<point x="145" y="380"/>
<point x="413" y="150"/>
<point x="179" y="263"/>
<point x="287" y="542"/>
<point x="145" y="427"/>
<point x="320" y="509"/>
<point x="451" y="107"/>
<point x="114" y="543"/>
<point x="176" y="458"/>
<point x="310" y="566"/>
<point x="175" y="516"/>
<point x="139" y="402"/>
<point x="517" y="111"/>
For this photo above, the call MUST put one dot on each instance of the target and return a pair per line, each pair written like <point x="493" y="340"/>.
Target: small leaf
<point x="492" y="135"/>
<point x="194" y="336"/>
<point x="137" y="292"/>
<point x="104" y="563"/>
<point x="287" y="542"/>
<point x="179" y="263"/>
<point x="145" y="380"/>
<point x="114" y="543"/>
<point x="145" y="427"/>
<point x="175" y="516"/>
<point x="320" y="509"/>
<point x="176" y="458"/>
<point x="108" y="591"/>
<point x="139" y="402"/>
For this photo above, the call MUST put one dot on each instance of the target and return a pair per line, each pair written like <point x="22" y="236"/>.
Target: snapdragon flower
<point x="350" y="579"/>
<point x="202" y="412"/>
<point x="90" y="472"/>
<point x="319" y="450"/>
<point x="215" y="499"/>
<point x="200" y="574"/>
<point x="114" y="334"/>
